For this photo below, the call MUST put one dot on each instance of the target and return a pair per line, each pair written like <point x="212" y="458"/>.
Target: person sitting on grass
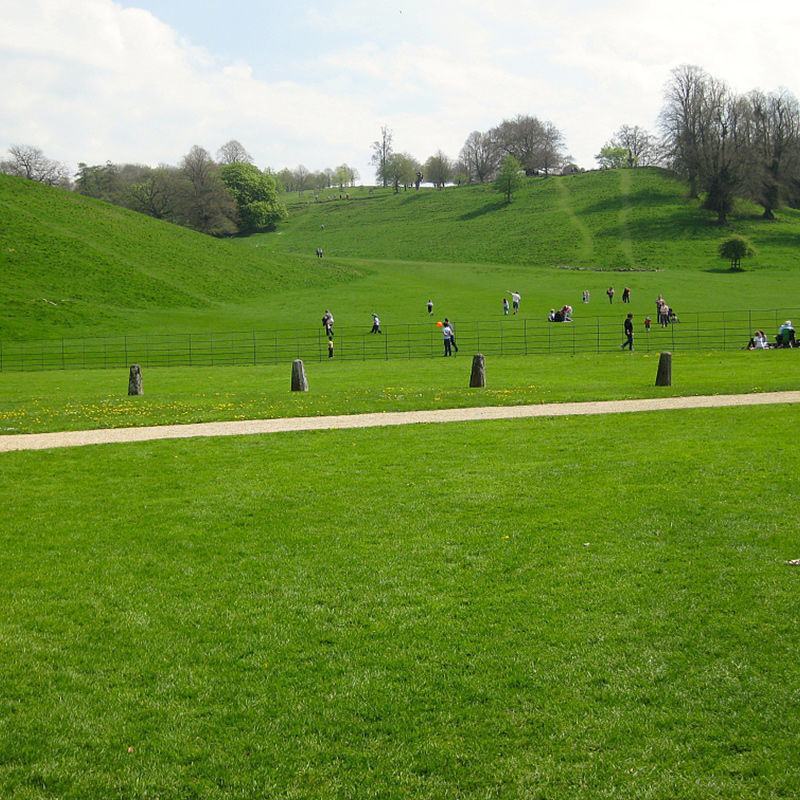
<point x="551" y="317"/>
<point x="786" y="337"/>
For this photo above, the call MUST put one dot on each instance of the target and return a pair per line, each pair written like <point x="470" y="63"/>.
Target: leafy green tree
<point x="734" y="250"/>
<point x="509" y="177"/>
<point x="613" y="157"/>
<point x="255" y="194"/>
<point x="400" y="170"/>
<point x="438" y="169"/>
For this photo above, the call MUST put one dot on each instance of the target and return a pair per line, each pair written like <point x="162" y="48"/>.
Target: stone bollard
<point x="664" y="374"/>
<point x="135" y="380"/>
<point x="477" y="378"/>
<point x="299" y="381"/>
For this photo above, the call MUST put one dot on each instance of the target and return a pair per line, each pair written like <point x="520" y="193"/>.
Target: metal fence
<point x="720" y="330"/>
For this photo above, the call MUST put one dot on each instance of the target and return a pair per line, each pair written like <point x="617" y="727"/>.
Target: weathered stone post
<point x="477" y="378"/>
<point x="135" y="380"/>
<point x="299" y="381"/>
<point x="664" y="374"/>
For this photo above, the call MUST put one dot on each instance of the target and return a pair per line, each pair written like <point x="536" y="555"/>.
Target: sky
<point x="312" y="83"/>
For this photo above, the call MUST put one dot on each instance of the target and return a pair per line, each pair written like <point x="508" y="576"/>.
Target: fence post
<point x="62" y="353"/>
<point x="573" y="338"/>
<point x="254" y="348"/>
<point x="211" y="336"/>
<point x="597" y="320"/>
<point x="525" y="334"/>
<point x="190" y="349"/>
<point x="478" y="329"/>
<point x="501" y="338"/>
<point x="386" y="345"/>
<point x="408" y="339"/>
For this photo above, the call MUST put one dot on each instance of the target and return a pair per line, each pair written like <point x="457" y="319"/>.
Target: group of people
<point x="515" y="298"/>
<point x="564" y="314"/>
<point x="610" y="292"/>
<point x="320" y="252"/>
<point x="784" y="338"/>
<point x="664" y="313"/>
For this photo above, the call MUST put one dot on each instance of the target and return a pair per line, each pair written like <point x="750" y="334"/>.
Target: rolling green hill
<point x="71" y="265"/>
<point x="611" y="219"/>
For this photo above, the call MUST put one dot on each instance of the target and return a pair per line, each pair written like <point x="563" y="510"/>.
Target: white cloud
<point x="90" y="80"/>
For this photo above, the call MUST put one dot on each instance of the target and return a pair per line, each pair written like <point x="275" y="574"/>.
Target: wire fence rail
<point x="719" y="330"/>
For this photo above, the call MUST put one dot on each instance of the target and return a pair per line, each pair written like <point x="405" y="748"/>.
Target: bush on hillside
<point x="734" y="250"/>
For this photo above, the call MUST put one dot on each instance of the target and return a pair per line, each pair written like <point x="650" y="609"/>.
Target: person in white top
<point x="376" y="324"/>
<point x="515" y="298"/>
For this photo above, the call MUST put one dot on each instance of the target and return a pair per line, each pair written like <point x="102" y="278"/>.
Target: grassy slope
<point x="47" y="401"/>
<point x="69" y="264"/>
<point x="552" y="608"/>
<point x="616" y="218"/>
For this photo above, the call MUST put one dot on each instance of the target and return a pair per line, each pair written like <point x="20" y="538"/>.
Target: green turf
<point x="540" y="609"/>
<point x="71" y="266"/>
<point x="610" y="219"/>
<point x="75" y="400"/>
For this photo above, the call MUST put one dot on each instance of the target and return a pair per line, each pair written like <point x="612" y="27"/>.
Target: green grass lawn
<point x="73" y="267"/>
<point x="588" y="607"/>
<point x="609" y="219"/>
<point x="75" y="400"/>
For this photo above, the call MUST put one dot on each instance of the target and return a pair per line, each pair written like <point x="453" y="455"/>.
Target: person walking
<point x="430" y="307"/>
<point x="586" y="296"/>
<point x="628" y="333"/>
<point x="610" y="293"/>
<point x="327" y="323"/>
<point x="647" y="323"/>
<point x="626" y="295"/>
<point x="330" y="348"/>
<point x="376" y="324"/>
<point x="515" y="298"/>
<point x="505" y="306"/>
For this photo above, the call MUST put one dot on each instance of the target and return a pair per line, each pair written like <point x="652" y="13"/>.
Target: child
<point x="647" y="323"/>
<point x="330" y="348"/>
<point x="505" y="306"/>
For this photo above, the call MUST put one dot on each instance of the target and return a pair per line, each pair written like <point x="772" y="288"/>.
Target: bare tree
<point x="536" y="145"/>
<point x="479" y="156"/>
<point x="233" y="152"/>
<point x="381" y="152"/>
<point x="773" y="134"/>
<point x="207" y="205"/>
<point x="681" y="121"/>
<point x="31" y="163"/>
<point x="641" y="146"/>
<point x="722" y="152"/>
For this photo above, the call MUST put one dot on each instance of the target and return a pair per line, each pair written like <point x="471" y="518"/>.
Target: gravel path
<point x="43" y="441"/>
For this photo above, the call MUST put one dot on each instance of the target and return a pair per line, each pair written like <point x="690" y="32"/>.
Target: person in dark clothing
<point x="626" y="295"/>
<point x="610" y="293"/>
<point x="628" y="333"/>
<point x="430" y="306"/>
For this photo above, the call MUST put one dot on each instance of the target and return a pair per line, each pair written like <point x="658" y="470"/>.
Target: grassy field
<point x="540" y="609"/>
<point x="72" y="267"/>
<point x="611" y="219"/>
<point x="76" y="400"/>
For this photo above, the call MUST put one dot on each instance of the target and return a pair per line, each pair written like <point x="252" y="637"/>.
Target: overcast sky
<point x="312" y="82"/>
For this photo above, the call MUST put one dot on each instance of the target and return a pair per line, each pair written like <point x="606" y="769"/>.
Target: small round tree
<point x="734" y="250"/>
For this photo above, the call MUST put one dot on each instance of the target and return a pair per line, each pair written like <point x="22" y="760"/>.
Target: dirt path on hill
<point x="43" y="441"/>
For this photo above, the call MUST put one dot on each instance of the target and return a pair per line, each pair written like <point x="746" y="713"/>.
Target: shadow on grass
<point x="727" y="270"/>
<point x="487" y="209"/>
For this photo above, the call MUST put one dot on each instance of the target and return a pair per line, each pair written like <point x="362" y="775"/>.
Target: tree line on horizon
<point x="725" y="145"/>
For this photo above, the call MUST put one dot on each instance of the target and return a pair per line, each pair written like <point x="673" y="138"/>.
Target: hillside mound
<point x="68" y="262"/>
<point x="609" y="219"/>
